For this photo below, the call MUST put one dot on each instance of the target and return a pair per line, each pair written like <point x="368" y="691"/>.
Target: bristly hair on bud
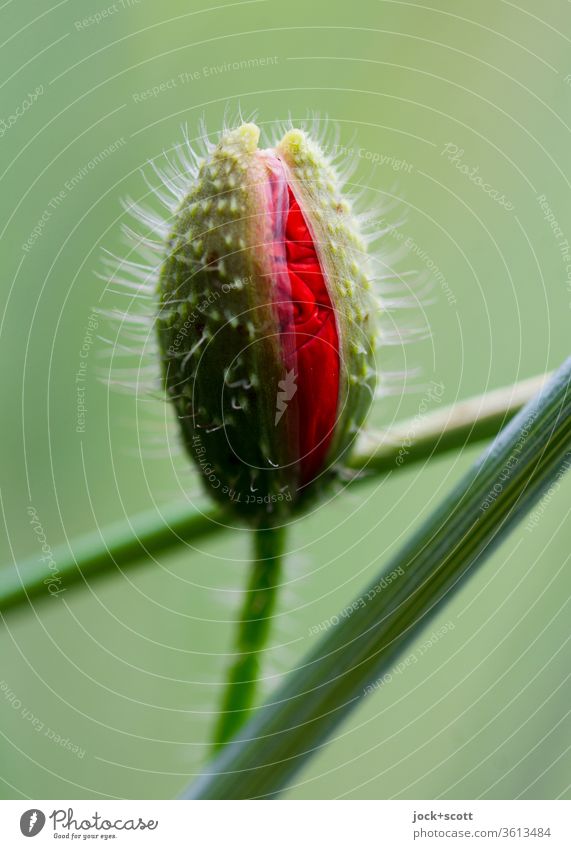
<point x="265" y="315"/>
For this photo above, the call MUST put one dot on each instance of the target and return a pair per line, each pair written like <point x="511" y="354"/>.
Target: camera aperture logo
<point x="32" y="822"/>
<point x="66" y="825"/>
<point x="286" y="390"/>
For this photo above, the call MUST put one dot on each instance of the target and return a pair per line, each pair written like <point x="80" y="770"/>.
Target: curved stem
<point x="253" y="631"/>
<point x="529" y="455"/>
<point x="138" y="540"/>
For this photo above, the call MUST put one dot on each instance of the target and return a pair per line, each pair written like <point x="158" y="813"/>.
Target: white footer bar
<point x="288" y="824"/>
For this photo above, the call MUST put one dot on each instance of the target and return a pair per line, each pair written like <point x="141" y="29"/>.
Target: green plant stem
<point x="446" y="429"/>
<point x="113" y="548"/>
<point x="527" y="456"/>
<point x="253" y="631"/>
<point x="137" y="541"/>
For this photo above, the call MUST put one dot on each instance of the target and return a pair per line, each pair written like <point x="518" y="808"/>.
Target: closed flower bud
<point x="266" y="325"/>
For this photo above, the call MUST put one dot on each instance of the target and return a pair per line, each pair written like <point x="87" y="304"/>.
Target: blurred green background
<point x="129" y="669"/>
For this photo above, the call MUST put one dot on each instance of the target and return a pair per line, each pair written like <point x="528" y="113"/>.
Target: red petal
<point x="316" y="356"/>
<point x="308" y="328"/>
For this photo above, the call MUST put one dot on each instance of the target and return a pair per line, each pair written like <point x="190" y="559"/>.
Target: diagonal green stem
<point x="528" y="455"/>
<point x="446" y="429"/>
<point x="129" y="543"/>
<point x="252" y="632"/>
<point x="110" y="549"/>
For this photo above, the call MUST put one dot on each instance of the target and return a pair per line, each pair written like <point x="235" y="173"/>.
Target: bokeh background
<point x="128" y="671"/>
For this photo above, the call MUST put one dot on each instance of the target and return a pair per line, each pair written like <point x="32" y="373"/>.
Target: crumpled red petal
<point x="315" y="358"/>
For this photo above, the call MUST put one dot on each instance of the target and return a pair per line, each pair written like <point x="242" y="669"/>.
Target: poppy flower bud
<point x="266" y="325"/>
